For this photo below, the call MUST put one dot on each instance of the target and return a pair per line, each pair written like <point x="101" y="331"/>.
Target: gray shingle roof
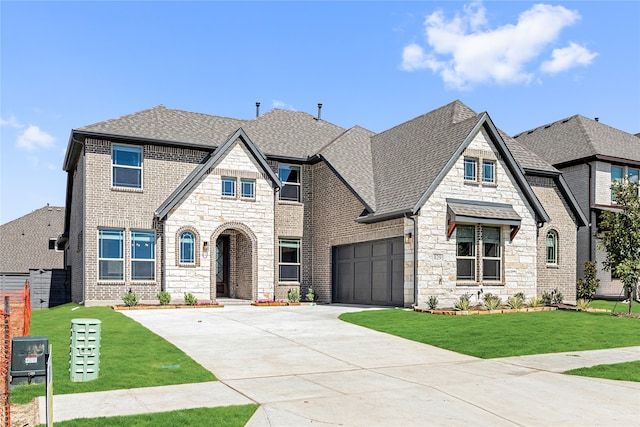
<point x="578" y="137"/>
<point x="24" y="242"/>
<point x="277" y="132"/>
<point x="407" y="158"/>
<point x="496" y="213"/>
<point x="350" y="156"/>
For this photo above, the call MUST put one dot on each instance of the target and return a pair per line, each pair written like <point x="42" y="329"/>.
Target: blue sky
<point x="375" y="64"/>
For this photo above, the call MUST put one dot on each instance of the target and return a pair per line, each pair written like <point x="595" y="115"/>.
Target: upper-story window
<point x="290" y="177"/>
<point x="618" y="173"/>
<point x="470" y="169"/>
<point x="228" y="187"/>
<point x="248" y="188"/>
<point x="126" y="161"/>
<point x="488" y="171"/>
<point x="552" y="247"/>
<point x="616" y="176"/>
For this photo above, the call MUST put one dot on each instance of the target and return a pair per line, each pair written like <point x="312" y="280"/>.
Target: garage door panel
<point x="376" y="275"/>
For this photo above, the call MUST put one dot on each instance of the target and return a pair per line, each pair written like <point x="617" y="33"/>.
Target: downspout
<point x="591" y="255"/>
<point x="415" y="259"/>
<point x="163" y="268"/>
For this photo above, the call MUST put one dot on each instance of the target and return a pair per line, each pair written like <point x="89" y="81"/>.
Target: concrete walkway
<point x="306" y="367"/>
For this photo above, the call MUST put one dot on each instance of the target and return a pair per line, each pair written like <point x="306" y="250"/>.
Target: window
<point x="616" y="176"/>
<point x="632" y="174"/>
<point x="491" y="255"/>
<point x="143" y="255"/>
<point x="290" y="177"/>
<point x="126" y="166"/>
<point x="187" y="248"/>
<point x="552" y="247"/>
<point x="52" y="243"/>
<point x="488" y="171"/>
<point x="466" y="252"/>
<point x="228" y="187"/>
<point x="470" y="166"/>
<point x="248" y="188"/>
<point x="289" y="266"/>
<point x="110" y="254"/>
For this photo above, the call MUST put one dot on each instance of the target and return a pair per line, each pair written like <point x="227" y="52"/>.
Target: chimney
<point x="319" y="110"/>
<point x="257" y="109"/>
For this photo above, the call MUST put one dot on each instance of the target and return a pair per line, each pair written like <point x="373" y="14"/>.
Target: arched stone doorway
<point x="233" y="262"/>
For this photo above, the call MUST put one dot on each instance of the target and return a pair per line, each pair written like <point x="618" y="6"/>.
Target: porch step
<point x="233" y="301"/>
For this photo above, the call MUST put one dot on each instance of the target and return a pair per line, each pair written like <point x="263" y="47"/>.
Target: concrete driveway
<point x="306" y="367"/>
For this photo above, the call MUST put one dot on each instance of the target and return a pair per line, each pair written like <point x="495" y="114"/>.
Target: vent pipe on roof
<point x="319" y="109"/>
<point x="257" y="109"/>
<point x="597" y="119"/>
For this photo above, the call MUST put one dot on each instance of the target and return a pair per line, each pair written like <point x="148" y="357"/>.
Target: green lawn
<point x="503" y="335"/>
<point x="230" y="416"/>
<point x="131" y="356"/>
<point x="629" y="371"/>
<point x="615" y="306"/>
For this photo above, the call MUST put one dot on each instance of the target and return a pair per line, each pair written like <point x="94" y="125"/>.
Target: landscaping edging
<point x="163" y="307"/>
<point x="447" y="312"/>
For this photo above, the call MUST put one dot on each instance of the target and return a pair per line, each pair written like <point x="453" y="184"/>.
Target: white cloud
<point x="568" y="57"/>
<point x="465" y="50"/>
<point x="283" y="106"/>
<point x="32" y="138"/>
<point x="11" y="122"/>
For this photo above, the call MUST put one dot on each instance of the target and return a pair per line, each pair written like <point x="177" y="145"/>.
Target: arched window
<point x="552" y="247"/>
<point x="187" y="248"/>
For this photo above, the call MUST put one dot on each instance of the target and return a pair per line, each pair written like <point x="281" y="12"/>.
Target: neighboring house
<point x="184" y="202"/>
<point x="591" y="155"/>
<point x="28" y="251"/>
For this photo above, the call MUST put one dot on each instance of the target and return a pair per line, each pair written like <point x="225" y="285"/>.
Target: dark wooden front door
<point x="222" y="266"/>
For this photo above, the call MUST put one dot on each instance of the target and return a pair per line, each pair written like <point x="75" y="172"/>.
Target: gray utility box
<point x="84" y="354"/>
<point x="28" y="360"/>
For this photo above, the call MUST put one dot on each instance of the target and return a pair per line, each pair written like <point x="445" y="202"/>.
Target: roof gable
<point x="209" y="163"/>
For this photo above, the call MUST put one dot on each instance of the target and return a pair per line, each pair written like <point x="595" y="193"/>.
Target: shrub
<point x="164" y="297"/>
<point x="293" y="295"/>
<point x="432" y="302"/>
<point x="311" y="295"/>
<point x="491" y="301"/>
<point x="520" y="295"/>
<point x="515" y="302"/>
<point x="586" y="288"/>
<point x="464" y="303"/>
<point x="189" y="299"/>
<point x="534" y="302"/>
<point x="556" y="296"/>
<point x="582" y="304"/>
<point x="546" y="298"/>
<point x="130" y="299"/>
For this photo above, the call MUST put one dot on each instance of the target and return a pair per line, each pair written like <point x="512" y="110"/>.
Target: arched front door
<point x="222" y="266"/>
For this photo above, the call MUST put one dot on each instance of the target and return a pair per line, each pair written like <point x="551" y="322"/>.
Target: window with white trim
<point x="248" y="188"/>
<point x="470" y="169"/>
<point x="616" y="176"/>
<point x="491" y="253"/>
<point x="466" y="252"/>
<point x="289" y="260"/>
<point x="228" y="186"/>
<point x="143" y="255"/>
<point x="290" y="177"/>
<point x="552" y="247"/>
<point x="187" y="248"/>
<point x="126" y="170"/>
<point x="488" y="171"/>
<point x="110" y="254"/>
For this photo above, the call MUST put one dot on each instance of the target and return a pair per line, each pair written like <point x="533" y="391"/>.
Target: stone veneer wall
<point x="437" y="253"/>
<point x="563" y="275"/>
<point x="164" y="168"/>
<point x="211" y="214"/>
<point x="334" y="210"/>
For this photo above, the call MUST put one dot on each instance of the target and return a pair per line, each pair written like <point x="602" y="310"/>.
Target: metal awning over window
<point x="470" y="211"/>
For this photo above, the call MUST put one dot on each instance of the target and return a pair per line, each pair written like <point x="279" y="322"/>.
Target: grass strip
<point x="503" y="335"/>
<point x="227" y="416"/>
<point x="627" y="371"/>
<point x="131" y="356"/>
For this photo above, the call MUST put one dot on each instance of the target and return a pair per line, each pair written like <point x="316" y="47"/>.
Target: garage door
<point x="369" y="273"/>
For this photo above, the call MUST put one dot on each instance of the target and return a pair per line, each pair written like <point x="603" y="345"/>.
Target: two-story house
<point x="591" y="155"/>
<point x="443" y="204"/>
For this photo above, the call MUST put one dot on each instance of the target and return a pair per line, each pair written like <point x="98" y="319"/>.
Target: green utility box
<point x="28" y="360"/>
<point x="84" y="353"/>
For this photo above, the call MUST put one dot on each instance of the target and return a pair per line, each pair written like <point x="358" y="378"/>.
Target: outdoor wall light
<point x="408" y="237"/>
<point x="205" y="249"/>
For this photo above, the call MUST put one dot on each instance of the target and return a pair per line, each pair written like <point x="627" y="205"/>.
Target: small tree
<point x="620" y="236"/>
<point x="587" y="286"/>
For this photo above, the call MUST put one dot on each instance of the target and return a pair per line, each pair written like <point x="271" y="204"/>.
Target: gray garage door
<point x="369" y="273"/>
